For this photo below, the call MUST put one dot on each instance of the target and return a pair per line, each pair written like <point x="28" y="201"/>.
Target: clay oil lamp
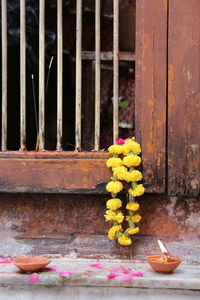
<point x="31" y="263"/>
<point x="163" y="263"/>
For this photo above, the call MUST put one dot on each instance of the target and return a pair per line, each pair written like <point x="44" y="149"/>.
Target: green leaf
<point x="123" y="104"/>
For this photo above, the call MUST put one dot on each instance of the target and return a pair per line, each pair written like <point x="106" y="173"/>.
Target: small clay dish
<point x="31" y="263"/>
<point x="158" y="265"/>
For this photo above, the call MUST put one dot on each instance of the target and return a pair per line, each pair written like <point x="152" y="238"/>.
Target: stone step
<point x="183" y="284"/>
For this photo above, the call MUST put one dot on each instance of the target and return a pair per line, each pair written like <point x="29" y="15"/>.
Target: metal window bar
<point x="78" y="73"/>
<point x="59" y="74"/>
<point x="22" y="75"/>
<point x="97" y="73"/>
<point x="4" y="73"/>
<point x="42" y="74"/>
<point x="115" y="70"/>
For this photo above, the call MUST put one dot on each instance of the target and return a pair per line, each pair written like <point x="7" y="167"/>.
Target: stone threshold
<point x="184" y="283"/>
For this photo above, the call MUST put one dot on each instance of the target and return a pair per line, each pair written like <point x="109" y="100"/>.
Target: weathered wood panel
<point x="150" y="101"/>
<point x="184" y="98"/>
<point x="53" y="172"/>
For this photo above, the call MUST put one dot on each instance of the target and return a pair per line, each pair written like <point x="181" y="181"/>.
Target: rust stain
<point x="165" y="4"/>
<point x="170" y="82"/>
<point x="150" y="102"/>
<point x="158" y="123"/>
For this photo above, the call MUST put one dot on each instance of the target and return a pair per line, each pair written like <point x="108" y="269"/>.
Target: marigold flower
<point x="133" y="230"/>
<point x="110" y="215"/>
<point x="136" y="218"/>
<point x="114" y="203"/>
<point x="119" y="217"/>
<point x="116" y="149"/>
<point x="114" y="187"/>
<point x="138" y="191"/>
<point x="131" y="146"/>
<point x="114" y="162"/>
<point x="124" y="240"/>
<point x="120" y="172"/>
<point x="112" y="231"/>
<point x="132" y="206"/>
<point x="131" y="161"/>
<point x="134" y="176"/>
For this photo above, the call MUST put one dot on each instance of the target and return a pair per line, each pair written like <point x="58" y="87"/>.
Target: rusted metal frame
<point x="22" y="75"/>
<point x="78" y="74"/>
<point x="183" y="99"/>
<point x="97" y="72"/>
<point x="108" y="55"/>
<point x="150" y="100"/>
<point x="4" y="73"/>
<point x="115" y="70"/>
<point x="59" y="74"/>
<point x="42" y="75"/>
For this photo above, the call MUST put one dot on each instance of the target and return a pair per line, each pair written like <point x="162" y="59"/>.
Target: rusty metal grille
<point x="95" y="63"/>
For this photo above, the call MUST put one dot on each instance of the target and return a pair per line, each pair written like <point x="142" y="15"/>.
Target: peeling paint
<point x="187" y="72"/>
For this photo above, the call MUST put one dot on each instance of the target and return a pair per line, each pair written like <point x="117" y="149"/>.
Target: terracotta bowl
<point x="31" y="263"/>
<point x="160" y="266"/>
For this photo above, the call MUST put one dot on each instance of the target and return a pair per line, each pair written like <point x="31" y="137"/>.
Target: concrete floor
<point x="183" y="284"/>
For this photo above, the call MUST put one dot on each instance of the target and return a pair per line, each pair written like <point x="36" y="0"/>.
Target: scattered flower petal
<point x="126" y="277"/>
<point x="137" y="274"/>
<point x="112" y="275"/>
<point x="6" y="260"/>
<point x="124" y="270"/>
<point x="65" y="274"/>
<point x="49" y="270"/>
<point x="34" y="278"/>
<point x="97" y="266"/>
<point x="114" y="270"/>
<point x="88" y="271"/>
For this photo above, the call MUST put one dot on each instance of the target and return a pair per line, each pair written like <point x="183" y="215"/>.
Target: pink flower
<point x="6" y="260"/>
<point x="112" y="275"/>
<point x="34" y="278"/>
<point x="65" y="274"/>
<point x="126" y="277"/>
<point x="120" y="141"/>
<point x="97" y="266"/>
<point x="137" y="274"/>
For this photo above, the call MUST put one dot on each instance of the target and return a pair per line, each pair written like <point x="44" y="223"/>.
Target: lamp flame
<point x="163" y="250"/>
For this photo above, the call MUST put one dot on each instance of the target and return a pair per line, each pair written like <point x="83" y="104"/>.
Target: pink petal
<point x="126" y="277"/>
<point x="65" y="274"/>
<point x="6" y="260"/>
<point x="97" y="266"/>
<point x="124" y="270"/>
<point x="112" y="275"/>
<point x="114" y="270"/>
<point x="137" y="274"/>
<point x="120" y="141"/>
<point x="34" y="278"/>
<point x="88" y="271"/>
<point x="49" y="270"/>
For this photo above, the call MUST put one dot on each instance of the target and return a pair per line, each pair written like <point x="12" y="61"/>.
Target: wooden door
<point x="184" y="97"/>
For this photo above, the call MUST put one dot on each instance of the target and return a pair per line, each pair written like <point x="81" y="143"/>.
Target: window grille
<point x="97" y="57"/>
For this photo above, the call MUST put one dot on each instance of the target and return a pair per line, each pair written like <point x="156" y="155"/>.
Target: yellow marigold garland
<point x="123" y="162"/>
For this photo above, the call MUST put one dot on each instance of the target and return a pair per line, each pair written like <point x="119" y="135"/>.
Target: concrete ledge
<point x="184" y="283"/>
